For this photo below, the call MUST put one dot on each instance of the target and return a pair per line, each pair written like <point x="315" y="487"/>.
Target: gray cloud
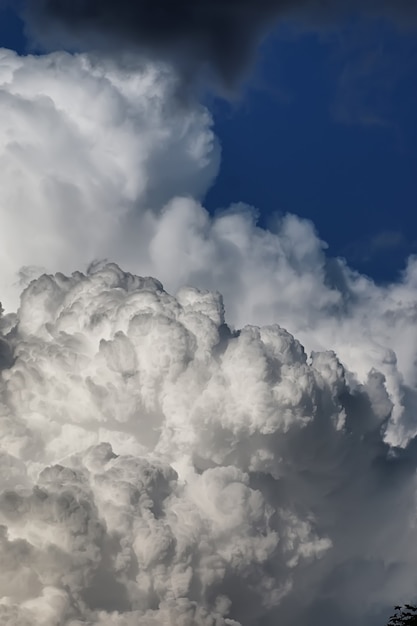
<point x="219" y="34"/>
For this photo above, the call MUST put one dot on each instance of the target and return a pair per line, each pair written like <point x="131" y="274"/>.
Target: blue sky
<point x="324" y="128"/>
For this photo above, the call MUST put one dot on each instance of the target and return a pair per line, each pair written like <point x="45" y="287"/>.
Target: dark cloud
<point x="218" y="34"/>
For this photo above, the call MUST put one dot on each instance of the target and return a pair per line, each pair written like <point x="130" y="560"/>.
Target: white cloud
<point x="84" y="146"/>
<point x="184" y="472"/>
<point x="157" y="466"/>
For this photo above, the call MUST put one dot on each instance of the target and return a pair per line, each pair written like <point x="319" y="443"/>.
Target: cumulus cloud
<point x="159" y="467"/>
<point x="218" y="34"/>
<point x="82" y="144"/>
<point x="96" y="164"/>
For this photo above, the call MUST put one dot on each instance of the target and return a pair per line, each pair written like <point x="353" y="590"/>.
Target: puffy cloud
<point x="159" y="467"/>
<point x="82" y="145"/>
<point x="98" y="162"/>
<point x="220" y="34"/>
<point x="157" y="464"/>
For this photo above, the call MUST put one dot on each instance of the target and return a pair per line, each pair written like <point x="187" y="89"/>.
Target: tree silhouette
<point x="404" y="616"/>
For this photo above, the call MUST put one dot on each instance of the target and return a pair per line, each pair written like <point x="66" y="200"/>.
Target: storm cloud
<point x="220" y="36"/>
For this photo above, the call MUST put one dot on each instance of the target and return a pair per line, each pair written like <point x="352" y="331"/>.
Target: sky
<point x="208" y="366"/>
<point x="335" y="110"/>
<point x="326" y="128"/>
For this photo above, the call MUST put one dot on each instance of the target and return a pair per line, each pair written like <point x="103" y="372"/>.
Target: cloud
<point x="96" y="164"/>
<point x="159" y="467"/>
<point x="82" y="145"/>
<point x="380" y="246"/>
<point x="375" y="63"/>
<point x="220" y="35"/>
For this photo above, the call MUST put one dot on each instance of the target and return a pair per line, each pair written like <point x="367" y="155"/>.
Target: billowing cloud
<point x="158" y="465"/>
<point x="160" y="468"/>
<point x="96" y="164"/>
<point x="220" y="35"/>
<point x="82" y="145"/>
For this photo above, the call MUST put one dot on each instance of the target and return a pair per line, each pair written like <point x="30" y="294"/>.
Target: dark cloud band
<point x="218" y="34"/>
